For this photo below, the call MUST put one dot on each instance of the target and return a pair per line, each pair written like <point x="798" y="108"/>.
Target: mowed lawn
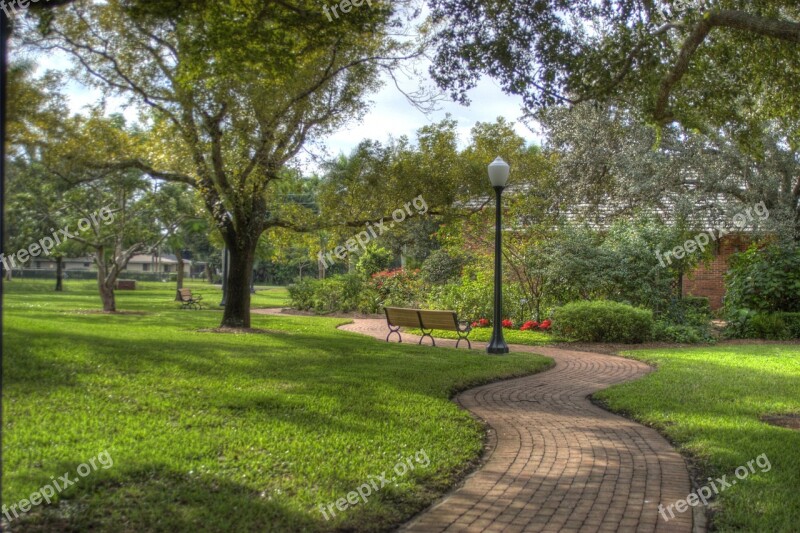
<point x="223" y="432"/>
<point x="709" y="402"/>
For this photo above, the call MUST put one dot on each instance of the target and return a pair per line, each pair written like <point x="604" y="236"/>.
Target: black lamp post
<point x="498" y="175"/>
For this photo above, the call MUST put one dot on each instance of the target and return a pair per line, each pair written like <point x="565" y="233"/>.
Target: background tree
<point x="700" y="63"/>
<point x="231" y="99"/>
<point x="610" y="165"/>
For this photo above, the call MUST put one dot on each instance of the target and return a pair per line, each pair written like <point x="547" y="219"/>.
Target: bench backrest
<point x="396" y="316"/>
<point x="415" y="318"/>
<point x="186" y="294"/>
<point x="445" y="320"/>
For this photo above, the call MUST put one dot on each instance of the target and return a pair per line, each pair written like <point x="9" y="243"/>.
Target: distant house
<point x="140" y="263"/>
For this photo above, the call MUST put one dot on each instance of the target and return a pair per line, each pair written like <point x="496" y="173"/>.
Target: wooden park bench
<point x="427" y="321"/>
<point x="190" y="301"/>
<point x="126" y="285"/>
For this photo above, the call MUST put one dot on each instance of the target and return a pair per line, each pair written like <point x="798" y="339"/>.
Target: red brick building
<point x="709" y="280"/>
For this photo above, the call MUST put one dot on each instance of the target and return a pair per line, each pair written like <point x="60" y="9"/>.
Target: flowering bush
<point x="529" y="325"/>
<point x="397" y="287"/>
<point x="482" y="323"/>
<point x="545" y="325"/>
<point x="507" y="323"/>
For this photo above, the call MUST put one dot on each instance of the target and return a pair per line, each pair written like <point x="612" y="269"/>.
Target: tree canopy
<point x="698" y="63"/>
<point x="232" y="91"/>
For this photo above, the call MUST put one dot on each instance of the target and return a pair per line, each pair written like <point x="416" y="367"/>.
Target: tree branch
<point x="738" y="20"/>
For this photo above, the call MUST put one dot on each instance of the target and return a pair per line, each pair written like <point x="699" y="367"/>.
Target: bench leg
<point x="463" y="338"/>
<point x="394" y="330"/>
<point x="427" y="334"/>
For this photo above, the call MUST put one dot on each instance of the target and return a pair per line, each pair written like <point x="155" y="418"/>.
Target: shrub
<point x="343" y="293"/>
<point x="665" y="331"/>
<point x="764" y="279"/>
<point x="400" y="287"/>
<point x="686" y="320"/>
<point x="472" y="297"/>
<point x="441" y="267"/>
<point x="770" y="326"/>
<point x="375" y="259"/>
<point x="603" y="321"/>
<point x="301" y="294"/>
<point x="792" y="321"/>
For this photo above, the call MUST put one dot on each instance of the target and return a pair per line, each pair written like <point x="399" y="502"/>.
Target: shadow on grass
<point x="154" y="498"/>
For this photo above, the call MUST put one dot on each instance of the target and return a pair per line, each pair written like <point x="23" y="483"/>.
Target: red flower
<point x="530" y="324"/>
<point x="546" y="325"/>
<point x="507" y="323"/>
<point x="483" y="322"/>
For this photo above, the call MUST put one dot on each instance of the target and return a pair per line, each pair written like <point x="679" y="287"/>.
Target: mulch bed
<point x="784" y="421"/>
<point x="295" y="312"/>
<point x="243" y="330"/>
<point x="615" y="349"/>
<point x="101" y="312"/>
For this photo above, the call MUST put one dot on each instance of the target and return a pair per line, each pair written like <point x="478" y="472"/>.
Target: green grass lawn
<point x="709" y="402"/>
<point x="223" y="432"/>
<point x="511" y="336"/>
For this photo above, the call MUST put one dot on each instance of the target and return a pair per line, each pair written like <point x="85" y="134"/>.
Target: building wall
<point x="709" y="280"/>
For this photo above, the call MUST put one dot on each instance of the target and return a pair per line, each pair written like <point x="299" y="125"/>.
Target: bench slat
<point x="445" y="320"/>
<point x="402" y="317"/>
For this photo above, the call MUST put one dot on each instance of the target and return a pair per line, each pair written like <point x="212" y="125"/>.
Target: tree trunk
<point x="179" y="276"/>
<point x="59" y="274"/>
<point x="237" y="306"/>
<point x="105" y="282"/>
<point x="107" y="295"/>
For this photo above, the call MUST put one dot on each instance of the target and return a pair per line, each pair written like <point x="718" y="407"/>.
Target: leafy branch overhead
<point x="692" y="62"/>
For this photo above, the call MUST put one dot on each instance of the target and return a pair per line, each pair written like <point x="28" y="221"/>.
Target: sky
<point x="389" y="115"/>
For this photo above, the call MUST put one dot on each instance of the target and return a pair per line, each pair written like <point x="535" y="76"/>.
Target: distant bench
<point x="426" y="320"/>
<point x="126" y="285"/>
<point x="189" y="300"/>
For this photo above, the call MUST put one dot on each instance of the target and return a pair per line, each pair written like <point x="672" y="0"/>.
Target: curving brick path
<point x="556" y="462"/>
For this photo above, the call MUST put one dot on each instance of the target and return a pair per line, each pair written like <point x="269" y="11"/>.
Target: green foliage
<point x="748" y="324"/>
<point x="344" y="293"/>
<point x="374" y="259"/>
<point x="770" y="326"/>
<point x="765" y="279"/>
<point x="397" y="288"/>
<point x="441" y="267"/>
<point x="665" y="331"/>
<point x="472" y="297"/>
<point x="792" y="321"/>
<point x="619" y="54"/>
<point x="686" y="320"/>
<point x="603" y="321"/>
<point x="580" y="263"/>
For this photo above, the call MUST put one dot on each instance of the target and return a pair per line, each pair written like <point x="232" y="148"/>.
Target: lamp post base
<point x="497" y="350"/>
<point x="497" y="345"/>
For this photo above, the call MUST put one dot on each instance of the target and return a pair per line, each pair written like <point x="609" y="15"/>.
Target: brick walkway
<point x="556" y="462"/>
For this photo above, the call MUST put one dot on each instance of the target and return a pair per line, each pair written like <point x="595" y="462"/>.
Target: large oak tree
<point x="233" y="92"/>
